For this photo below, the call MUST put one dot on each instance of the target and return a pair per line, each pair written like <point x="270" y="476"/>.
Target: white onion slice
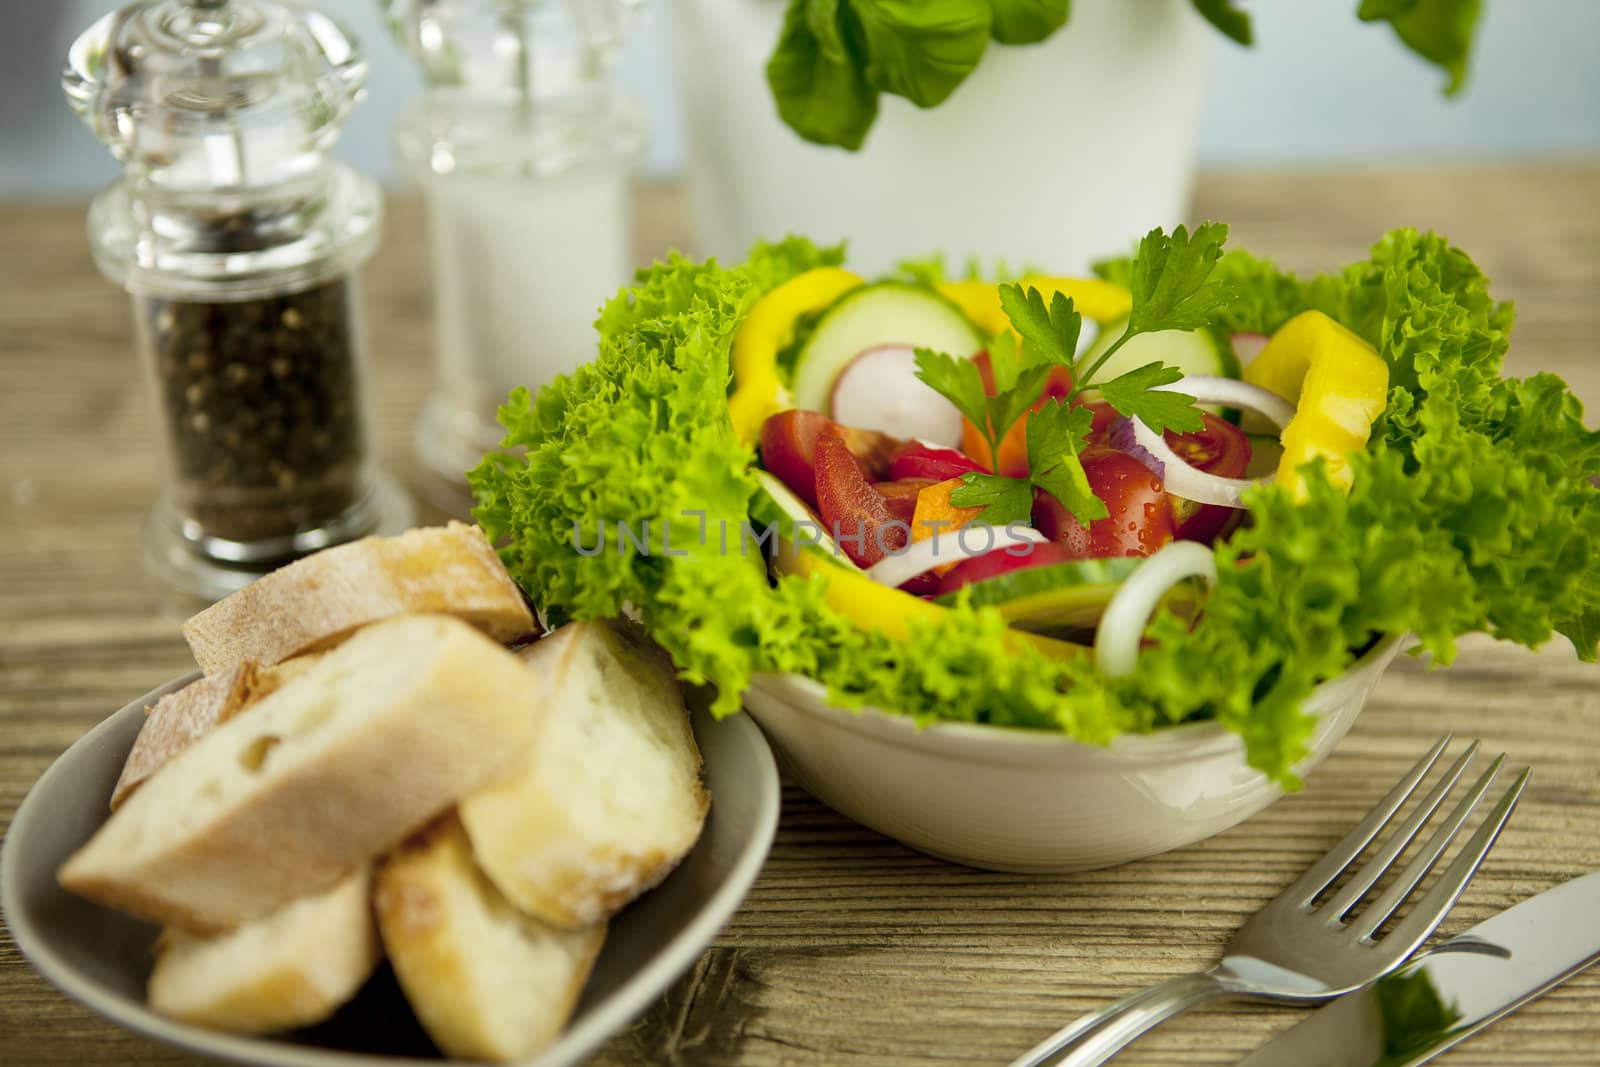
<point x="1116" y="641"/>
<point x="920" y="557"/>
<point x="1183" y="480"/>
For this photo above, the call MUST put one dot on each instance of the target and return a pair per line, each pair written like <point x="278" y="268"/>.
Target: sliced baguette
<point x="611" y="798"/>
<point x="293" y="968"/>
<point x="486" y="981"/>
<point x="179" y="719"/>
<point x="316" y="602"/>
<point x="336" y="767"/>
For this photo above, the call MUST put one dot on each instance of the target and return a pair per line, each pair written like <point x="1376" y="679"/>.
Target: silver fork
<point x="1302" y="950"/>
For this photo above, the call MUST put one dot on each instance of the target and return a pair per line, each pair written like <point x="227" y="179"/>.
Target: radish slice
<point x="1247" y="346"/>
<point x="880" y="390"/>
<point x="1116" y="642"/>
<point x="920" y="557"/>
<point x="1178" y="476"/>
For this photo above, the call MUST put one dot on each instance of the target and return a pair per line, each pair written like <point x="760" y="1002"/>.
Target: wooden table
<point x="851" y="949"/>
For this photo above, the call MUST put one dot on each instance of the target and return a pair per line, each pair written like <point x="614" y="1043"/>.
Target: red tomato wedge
<point x="789" y="447"/>
<point x="1014" y="445"/>
<point x="917" y="460"/>
<point x="901" y="496"/>
<point x="1140" y="519"/>
<point x="855" y="514"/>
<point x="1221" y="448"/>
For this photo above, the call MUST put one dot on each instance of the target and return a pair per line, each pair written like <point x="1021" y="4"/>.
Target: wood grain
<point x="851" y="949"/>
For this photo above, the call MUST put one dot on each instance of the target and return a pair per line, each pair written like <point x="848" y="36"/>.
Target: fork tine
<point x="1375" y="868"/>
<point x="1379" y="911"/>
<point x="1340" y="856"/>
<point x="1414" y="929"/>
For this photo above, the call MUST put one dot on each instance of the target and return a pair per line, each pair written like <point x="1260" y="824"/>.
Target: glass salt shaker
<point x="239" y="242"/>
<point x="526" y="154"/>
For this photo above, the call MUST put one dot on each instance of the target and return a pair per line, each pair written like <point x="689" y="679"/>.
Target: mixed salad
<point x="980" y="500"/>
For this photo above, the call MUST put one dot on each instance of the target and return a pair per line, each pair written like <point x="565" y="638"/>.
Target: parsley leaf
<point x="1004" y="500"/>
<point x="1171" y="282"/>
<point x="1137" y="395"/>
<point x="957" y="380"/>
<point x="1057" y="434"/>
<point x="1052" y="332"/>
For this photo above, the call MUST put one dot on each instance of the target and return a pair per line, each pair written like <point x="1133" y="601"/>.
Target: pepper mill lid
<point x="193" y="95"/>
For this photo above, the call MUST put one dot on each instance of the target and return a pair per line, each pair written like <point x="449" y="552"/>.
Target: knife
<point x="1447" y="994"/>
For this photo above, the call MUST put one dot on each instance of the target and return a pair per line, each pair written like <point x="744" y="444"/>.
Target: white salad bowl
<point x="1014" y="799"/>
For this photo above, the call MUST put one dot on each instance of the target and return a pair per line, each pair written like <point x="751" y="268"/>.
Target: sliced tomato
<point x="855" y="514"/>
<point x="917" y="460"/>
<point x="789" y="447"/>
<point x="1003" y="560"/>
<point x="901" y="496"/>
<point x="1014" y="445"/>
<point x="1140" y="519"/>
<point x="1221" y="448"/>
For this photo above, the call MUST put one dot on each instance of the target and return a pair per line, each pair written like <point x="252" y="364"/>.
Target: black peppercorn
<point x="262" y="412"/>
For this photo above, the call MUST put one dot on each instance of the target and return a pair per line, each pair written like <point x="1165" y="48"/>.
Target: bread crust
<point x="535" y="835"/>
<point x="212" y="842"/>
<point x="485" y="981"/>
<point x="292" y="968"/>
<point x="179" y="719"/>
<point x="317" y="602"/>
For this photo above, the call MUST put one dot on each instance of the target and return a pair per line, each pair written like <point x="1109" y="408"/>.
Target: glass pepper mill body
<point x="239" y="242"/>
<point x="526" y="155"/>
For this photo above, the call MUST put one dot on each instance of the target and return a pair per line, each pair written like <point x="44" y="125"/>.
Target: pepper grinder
<point x="525" y="153"/>
<point x="239" y="242"/>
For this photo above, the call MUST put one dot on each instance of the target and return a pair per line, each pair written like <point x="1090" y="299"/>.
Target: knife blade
<point x="1447" y="994"/>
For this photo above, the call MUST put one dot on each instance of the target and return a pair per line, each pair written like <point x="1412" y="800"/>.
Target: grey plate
<point x="102" y="958"/>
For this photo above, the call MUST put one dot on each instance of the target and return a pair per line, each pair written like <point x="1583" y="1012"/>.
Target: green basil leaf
<point x="1440" y="31"/>
<point x="826" y="101"/>
<point x="1226" y="16"/>
<point x="1027" y="21"/>
<point x="922" y="49"/>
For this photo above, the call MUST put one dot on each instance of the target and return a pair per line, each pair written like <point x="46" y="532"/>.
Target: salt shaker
<point x="526" y="153"/>
<point x="239" y="242"/>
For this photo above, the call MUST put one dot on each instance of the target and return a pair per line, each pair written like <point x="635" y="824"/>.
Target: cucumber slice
<point x="879" y="314"/>
<point x="1053" y="598"/>
<point x="775" y="505"/>
<point x="1191" y="351"/>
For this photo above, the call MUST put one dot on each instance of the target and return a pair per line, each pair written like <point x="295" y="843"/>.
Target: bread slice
<point x="339" y="765"/>
<point x="178" y="719"/>
<point x="611" y="798"/>
<point x="486" y="981"/>
<point x="318" y="601"/>
<point x="292" y="968"/>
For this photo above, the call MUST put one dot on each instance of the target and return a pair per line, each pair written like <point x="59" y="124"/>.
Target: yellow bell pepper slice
<point x="1340" y="384"/>
<point x="758" y="391"/>
<point x="871" y="606"/>
<point x="1094" y="299"/>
